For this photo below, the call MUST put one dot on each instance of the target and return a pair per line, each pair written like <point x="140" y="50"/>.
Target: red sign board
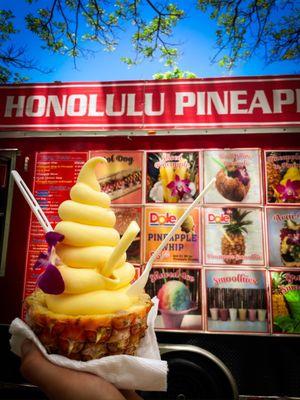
<point x="147" y="105"/>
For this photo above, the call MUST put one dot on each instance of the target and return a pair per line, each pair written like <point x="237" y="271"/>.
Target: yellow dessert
<point x="92" y="315"/>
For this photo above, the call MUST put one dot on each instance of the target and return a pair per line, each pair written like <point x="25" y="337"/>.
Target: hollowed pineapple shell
<point x="87" y="337"/>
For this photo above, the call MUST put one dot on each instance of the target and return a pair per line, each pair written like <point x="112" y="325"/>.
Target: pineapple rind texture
<point x="233" y="251"/>
<point x="87" y="337"/>
<point x="279" y="305"/>
<point x="273" y="177"/>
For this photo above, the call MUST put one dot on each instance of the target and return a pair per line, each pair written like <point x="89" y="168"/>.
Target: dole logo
<point x="218" y="219"/>
<point x="162" y="219"/>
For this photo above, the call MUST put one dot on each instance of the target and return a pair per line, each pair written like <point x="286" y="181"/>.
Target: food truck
<point x="228" y="282"/>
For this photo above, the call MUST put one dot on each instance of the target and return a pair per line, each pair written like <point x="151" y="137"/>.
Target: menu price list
<point x="238" y="306"/>
<point x="55" y="174"/>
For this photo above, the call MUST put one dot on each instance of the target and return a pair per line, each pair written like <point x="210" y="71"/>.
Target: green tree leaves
<point x="176" y="73"/>
<point x="270" y="28"/>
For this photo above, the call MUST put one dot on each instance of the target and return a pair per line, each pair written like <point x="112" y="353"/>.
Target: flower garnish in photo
<point x="290" y="191"/>
<point x="244" y="176"/>
<point x="179" y="187"/>
<point x="240" y="173"/>
<point x="51" y="280"/>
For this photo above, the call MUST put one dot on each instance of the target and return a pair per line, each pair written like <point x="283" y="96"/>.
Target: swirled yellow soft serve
<point x="87" y="224"/>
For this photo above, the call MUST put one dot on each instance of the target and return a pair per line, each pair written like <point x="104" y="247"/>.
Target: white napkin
<point x="145" y="371"/>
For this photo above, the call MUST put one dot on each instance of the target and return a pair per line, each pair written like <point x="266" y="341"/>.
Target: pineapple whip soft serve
<point x="89" y="239"/>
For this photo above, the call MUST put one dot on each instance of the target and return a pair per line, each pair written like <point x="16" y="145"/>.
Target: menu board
<point x="233" y="266"/>
<point x="236" y="301"/>
<point x="55" y="174"/>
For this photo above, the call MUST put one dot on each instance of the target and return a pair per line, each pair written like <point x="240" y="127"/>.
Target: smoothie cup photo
<point x="252" y="314"/>
<point x="233" y="314"/>
<point x="242" y="314"/>
<point x="224" y="314"/>
<point x="262" y="313"/>
<point x="214" y="313"/>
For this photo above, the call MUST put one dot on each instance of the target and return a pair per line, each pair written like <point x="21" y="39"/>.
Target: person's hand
<point x="60" y="383"/>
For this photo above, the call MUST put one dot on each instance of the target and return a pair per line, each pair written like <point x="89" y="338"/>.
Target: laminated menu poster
<point x="172" y="177"/>
<point x="179" y="294"/>
<point x="283" y="236"/>
<point x="124" y="215"/>
<point x="237" y="173"/>
<point x="55" y="174"/>
<point x="233" y="236"/>
<point x="285" y="301"/>
<point x="236" y="300"/>
<point x="184" y="246"/>
<point x="282" y="171"/>
<point x="121" y="177"/>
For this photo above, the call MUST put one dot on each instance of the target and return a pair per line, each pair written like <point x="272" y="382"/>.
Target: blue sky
<point x="196" y="33"/>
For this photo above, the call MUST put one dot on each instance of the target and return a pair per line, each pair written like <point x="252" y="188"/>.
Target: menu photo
<point x="172" y="177"/>
<point x="184" y="246"/>
<point x="233" y="236"/>
<point x="236" y="300"/>
<point x="283" y="226"/>
<point x="121" y="176"/>
<point x="237" y="173"/>
<point x="124" y="215"/>
<point x="285" y="286"/>
<point x="282" y="172"/>
<point x="179" y="294"/>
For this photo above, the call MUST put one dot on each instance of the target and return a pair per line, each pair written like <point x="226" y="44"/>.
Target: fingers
<point x="62" y="383"/>
<point x="34" y="365"/>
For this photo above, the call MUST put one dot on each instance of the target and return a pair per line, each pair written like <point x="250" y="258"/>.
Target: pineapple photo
<point x="233" y="241"/>
<point x="282" y="170"/>
<point x="286" y="302"/>
<point x="279" y="305"/>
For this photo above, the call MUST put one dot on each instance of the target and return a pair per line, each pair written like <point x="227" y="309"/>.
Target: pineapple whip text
<point x="89" y="239"/>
